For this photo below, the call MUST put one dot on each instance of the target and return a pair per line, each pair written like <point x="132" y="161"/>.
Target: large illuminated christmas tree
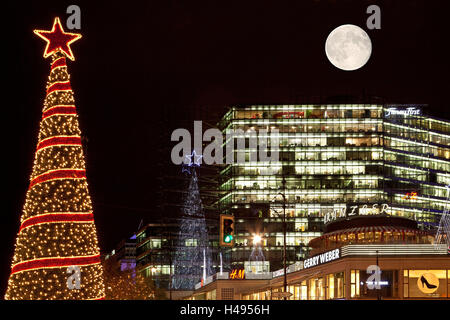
<point x="56" y="254"/>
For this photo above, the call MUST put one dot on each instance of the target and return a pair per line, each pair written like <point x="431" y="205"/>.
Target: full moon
<point x="348" y="47"/>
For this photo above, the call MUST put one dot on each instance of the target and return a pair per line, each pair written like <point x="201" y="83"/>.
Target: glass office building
<point x="156" y="247"/>
<point x="336" y="161"/>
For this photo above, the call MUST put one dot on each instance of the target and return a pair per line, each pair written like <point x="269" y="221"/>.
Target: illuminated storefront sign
<point x="406" y="112"/>
<point x="237" y="274"/>
<point x="344" y="212"/>
<point x="322" y="258"/>
<point x="292" y="268"/>
<point x="428" y="283"/>
<point x="277" y="273"/>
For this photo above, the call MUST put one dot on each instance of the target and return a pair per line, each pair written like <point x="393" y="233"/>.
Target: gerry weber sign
<point x="344" y="212"/>
<point x="322" y="258"/>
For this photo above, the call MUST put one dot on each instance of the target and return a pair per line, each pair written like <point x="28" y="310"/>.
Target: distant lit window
<point x="191" y="242"/>
<point x="156" y="243"/>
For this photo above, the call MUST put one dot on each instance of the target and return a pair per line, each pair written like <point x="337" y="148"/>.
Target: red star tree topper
<point x="58" y="40"/>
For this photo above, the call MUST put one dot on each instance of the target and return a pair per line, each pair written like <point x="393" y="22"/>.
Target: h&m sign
<point x="237" y="274"/>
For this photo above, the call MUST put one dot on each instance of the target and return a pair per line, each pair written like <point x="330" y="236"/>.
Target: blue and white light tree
<point x="192" y="260"/>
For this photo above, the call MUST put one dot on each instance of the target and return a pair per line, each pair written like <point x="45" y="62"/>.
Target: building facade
<point x="156" y="247"/>
<point x="336" y="161"/>
<point x="123" y="257"/>
<point x="343" y="265"/>
<point x="423" y="275"/>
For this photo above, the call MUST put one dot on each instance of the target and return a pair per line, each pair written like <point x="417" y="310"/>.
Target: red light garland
<point x="60" y="110"/>
<point x="60" y="62"/>
<point x="57" y="218"/>
<point x="56" y="262"/>
<point x="59" y="141"/>
<point x="59" y="174"/>
<point x="59" y="86"/>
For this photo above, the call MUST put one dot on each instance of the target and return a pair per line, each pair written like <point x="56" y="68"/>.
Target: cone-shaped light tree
<point x="56" y="254"/>
<point x="193" y="262"/>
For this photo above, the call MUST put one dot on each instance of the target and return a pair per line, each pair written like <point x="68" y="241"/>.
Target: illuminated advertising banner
<point x="364" y="210"/>
<point x="404" y="111"/>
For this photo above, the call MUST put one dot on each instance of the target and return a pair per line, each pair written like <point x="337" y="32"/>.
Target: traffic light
<point x="226" y="230"/>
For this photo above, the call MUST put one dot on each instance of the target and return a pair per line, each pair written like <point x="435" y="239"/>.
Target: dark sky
<point x="143" y="68"/>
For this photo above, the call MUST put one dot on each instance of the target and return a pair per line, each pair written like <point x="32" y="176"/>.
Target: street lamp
<point x="256" y="239"/>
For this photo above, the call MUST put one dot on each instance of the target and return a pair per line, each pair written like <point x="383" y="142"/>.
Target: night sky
<point x="143" y="69"/>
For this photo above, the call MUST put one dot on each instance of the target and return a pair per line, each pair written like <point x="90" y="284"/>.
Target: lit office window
<point x="191" y="242"/>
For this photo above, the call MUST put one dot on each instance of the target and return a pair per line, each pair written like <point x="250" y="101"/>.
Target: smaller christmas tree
<point x="192" y="261"/>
